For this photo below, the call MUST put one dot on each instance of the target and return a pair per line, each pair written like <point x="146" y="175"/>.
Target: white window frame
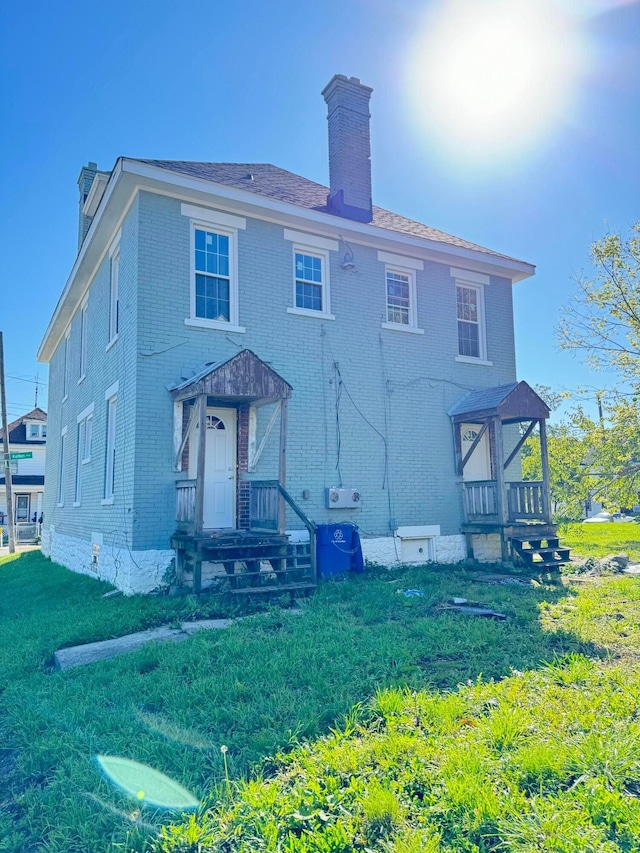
<point x="214" y="221"/>
<point x="473" y="281"/>
<point x="83" y="447"/>
<point x="407" y="267"/>
<point x="114" y="292"/>
<point x="61" y="462"/>
<point x="83" y="339"/>
<point x="315" y="247"/>
<point x="65" y="365"/>
<point x="111" y="397"/>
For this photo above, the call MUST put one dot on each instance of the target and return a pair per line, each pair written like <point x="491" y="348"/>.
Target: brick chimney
<point x="85" y="179"/>
<point x="349" y="148"/>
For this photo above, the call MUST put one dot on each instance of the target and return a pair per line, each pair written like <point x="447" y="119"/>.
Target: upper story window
<point x="213" y="276"/>
<point x="214" y="268"/>
<point x="309" y="281"/>
<point x="311" y="296"/>
<point x="83" y="341"/>
<point x="36" y="432"/>
<point x="401" y="313"/>
<point x="114" y="290"/>
<point x="472" y="346"/>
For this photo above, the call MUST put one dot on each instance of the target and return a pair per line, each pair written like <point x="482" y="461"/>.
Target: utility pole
<point x="6" y="455"/>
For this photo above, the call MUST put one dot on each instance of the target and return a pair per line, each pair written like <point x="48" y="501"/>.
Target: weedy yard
<point x="372" y="720"/>
<point x="599" y="540"/>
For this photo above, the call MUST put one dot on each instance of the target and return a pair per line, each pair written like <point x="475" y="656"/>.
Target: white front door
<point x="219" y="469"/>
<point x="478" y="467"/>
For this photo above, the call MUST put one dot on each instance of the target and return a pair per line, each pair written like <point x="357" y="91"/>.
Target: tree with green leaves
<point x="602" y="320"/>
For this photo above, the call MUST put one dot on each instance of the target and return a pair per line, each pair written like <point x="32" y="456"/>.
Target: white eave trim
<point x="96" y="191"/>
<point x="322" y="224"/>
<point x="213" y="217"/>
<point x="511" y="268"/>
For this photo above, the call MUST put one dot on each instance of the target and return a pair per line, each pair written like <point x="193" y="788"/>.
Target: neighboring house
<point x="27" y="442"/>
<point x="315" y="339"/>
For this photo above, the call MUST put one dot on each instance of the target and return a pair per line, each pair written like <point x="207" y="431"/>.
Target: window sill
<point x="106" y="502"/>
<point x="111" y="343"/>
<point x="82" y="378"/>
<point x="399" y="327"/>
<point x="307" y="312"/>
<point x="76" y="503"/>
<point x="59" y="505"/>
<point x="201" y="323"/>
<point x="85" y="461"/>
<point x="468" y="359"/>
<point x="65" y="398"/>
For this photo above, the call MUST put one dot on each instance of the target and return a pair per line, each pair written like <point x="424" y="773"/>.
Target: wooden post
<point x="6" y="455"/>
<point x="282" y="465"/>
<point x="202" y="448"/>
<point x="544" y="456"/>
<point x="501" y="487"/>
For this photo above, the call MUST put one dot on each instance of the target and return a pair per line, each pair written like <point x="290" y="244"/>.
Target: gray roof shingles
<point x="486" y="398"/>
<point x="273" y="182"/>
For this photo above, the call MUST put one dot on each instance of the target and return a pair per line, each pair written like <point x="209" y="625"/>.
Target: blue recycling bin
<point x="338" y="549"/>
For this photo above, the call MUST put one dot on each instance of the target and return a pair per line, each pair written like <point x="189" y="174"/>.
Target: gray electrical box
<point x="339" y="497"/>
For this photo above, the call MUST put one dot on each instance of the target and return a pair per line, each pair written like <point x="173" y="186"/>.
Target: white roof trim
<point x="96" y="191"/>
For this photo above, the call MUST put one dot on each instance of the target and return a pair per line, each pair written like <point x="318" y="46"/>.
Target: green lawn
<point x="599" y="540"/>
<point x="419" y="765"/>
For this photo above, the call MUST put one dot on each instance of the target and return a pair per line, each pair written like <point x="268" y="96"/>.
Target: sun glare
<point x="490" y="78"/>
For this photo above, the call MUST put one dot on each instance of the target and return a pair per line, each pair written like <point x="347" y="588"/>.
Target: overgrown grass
<point x="274" y="682"/>
<point x="599" y="540"/>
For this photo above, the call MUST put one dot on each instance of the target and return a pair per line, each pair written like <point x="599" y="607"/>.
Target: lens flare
<point x="490" y="79"/>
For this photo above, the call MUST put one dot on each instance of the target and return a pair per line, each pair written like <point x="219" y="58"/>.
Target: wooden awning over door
<point x="241" y="378"/>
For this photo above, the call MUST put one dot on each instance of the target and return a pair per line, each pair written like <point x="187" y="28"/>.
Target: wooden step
<point x="285" y="587"/>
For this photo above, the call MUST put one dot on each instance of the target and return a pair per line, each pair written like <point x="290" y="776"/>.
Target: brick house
<point x="315" y="338"/>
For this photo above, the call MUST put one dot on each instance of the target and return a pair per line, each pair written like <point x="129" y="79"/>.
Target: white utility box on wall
<point x="339" y="497"/>
<point x="418" y="543"/>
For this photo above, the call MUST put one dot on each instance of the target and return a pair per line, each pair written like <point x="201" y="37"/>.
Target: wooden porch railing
<point x="480" y="499"/>
<point x="525" y="501"/>
<point x="264" y="511"/>
<point x="186" y="503"/>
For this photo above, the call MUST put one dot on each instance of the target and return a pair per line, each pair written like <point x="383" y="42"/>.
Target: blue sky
<point x="198" y="80"/>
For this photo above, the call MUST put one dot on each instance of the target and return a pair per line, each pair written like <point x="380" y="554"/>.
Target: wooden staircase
<point x="540" y="553"/>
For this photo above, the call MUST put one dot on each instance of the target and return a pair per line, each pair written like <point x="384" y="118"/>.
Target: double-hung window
<point x="311" y="296"/>
<point x="401" y="308"/>
<point x="114" y="291"/>
<point x="111" y="397"/>
<point x="214" y="268"/>
<point x="83" y="448"/>
<point x="472" y="345"/>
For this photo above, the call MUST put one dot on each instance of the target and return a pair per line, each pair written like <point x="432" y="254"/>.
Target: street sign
<point x="27" y="454"/>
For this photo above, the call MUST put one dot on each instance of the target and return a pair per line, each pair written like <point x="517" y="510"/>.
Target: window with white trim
<point x="310" y="278"/>
<point x="61" y="461"/>
<point x="110" y="456"/>
<point x="401" y="297"/>
<point x="470" y="320"/>
<point x="83" y="342"/>
<point x="114" y="296"/>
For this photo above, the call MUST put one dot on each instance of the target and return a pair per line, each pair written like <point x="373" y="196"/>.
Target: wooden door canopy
<point x="241" y="378"/>
<point x="511" y="403"/>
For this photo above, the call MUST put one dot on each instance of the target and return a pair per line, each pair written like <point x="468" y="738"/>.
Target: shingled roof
<point x="36" y="414"/>
<point x="273" y="182"/>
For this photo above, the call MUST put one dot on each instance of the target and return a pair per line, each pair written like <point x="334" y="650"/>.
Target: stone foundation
<point x="130" y="571"/>
<point x="486" y="547"/>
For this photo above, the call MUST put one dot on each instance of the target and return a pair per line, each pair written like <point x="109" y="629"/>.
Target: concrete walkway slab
<point x="105" y="649"/>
